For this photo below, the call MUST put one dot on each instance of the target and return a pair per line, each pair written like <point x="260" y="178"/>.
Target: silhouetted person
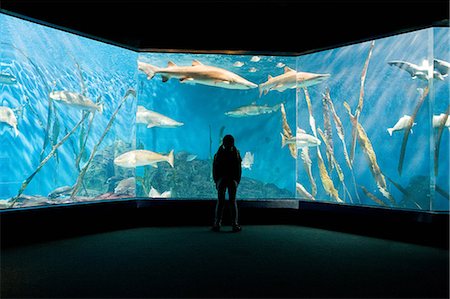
<point x="227" y="175"/>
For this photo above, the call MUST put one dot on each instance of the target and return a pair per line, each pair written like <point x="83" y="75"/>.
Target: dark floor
<point x="261" y="261"/>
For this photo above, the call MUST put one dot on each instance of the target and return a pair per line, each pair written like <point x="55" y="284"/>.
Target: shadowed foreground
<point x="261" y="261"/>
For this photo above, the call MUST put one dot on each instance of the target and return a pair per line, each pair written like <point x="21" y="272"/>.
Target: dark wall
<point x="24" y="226"/>
<point x="290" y="26"/>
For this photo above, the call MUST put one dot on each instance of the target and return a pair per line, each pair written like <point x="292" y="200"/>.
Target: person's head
<point x="228" y="141"/>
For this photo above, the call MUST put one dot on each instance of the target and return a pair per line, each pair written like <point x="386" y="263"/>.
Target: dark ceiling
<point x="266" y="26"/>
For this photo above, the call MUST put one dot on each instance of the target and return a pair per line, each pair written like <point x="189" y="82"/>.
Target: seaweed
<point x="442" y="192"/>
<point x="360" y="102"/>
<point x="408" y="129"/>
<point x="328" y="134"/>
<point x="55" y="133"/>
<point x="372" y="196"/>
<point x="369" y="152"/>
<point x="287" y="133"/>
<point x="335" y="163"/>
<point x="129" y="92"/>
<point x="405" y="192"/>
<point x="438" y="141"/>
<point x="44" y="161"/>
<point x="341" y="135"/>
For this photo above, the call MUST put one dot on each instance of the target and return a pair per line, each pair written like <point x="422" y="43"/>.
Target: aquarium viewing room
<point x="214" y="149"/>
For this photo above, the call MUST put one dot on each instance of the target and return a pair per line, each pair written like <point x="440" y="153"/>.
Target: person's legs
<point x="232" y="189"/>
<point x="220" y="203"/>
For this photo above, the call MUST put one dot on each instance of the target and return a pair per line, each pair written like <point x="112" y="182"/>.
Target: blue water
<point x="44" y="59"/>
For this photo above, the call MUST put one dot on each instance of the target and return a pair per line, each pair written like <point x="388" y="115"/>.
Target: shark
<point x="7" y="116"/>
<point x="416" y="71"/>
<point x="154" y="119"/>
<point x="197" y="73"/>
<point x="291" y="79"/>
<point x="75" y="100"/>
<point x="302" y="139"/>
<point x="136" y="158"/>
<point x="252" y="110"/>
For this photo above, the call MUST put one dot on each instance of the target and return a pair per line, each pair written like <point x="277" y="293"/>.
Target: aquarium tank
<point x="85" y="121"/>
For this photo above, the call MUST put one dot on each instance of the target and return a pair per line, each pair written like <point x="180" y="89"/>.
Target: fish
<point x="252" y="70"/>
<point x="252" y="110"/>
<point x="155" y="194"/>
<point x="190" y="158"/>
<point x="416" y="71"/>
<point x="302" y="191"/>
<point x="402" y="123"/>
<point x="7" y="116"/>
<point x="287" y="133"/>
<point x="442" y="121"/>
<point x="61" y="191"/>
<point x="280" y="65"/>
<point x="291" y="79"/>
<point x="197" y="74"/>
<point x="371" y="157"/>
<point x="248" y="160"/>
<point x="438" y="121"/>
<point x="302" y="139"/>
<point x="7" y="79"/>
<point x="154" y="119"/>
<point x="126" y="186"/>
<point x="76" y="100"/>
<point x="238" y="64"/>
<point x="441" y="66"/>
<point x="137" y="158"/>
<point x="255" y="59"/>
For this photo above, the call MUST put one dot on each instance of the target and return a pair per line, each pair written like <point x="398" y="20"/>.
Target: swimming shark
<point x="136" y="158"/>
<point x="7" y="116"/>
<point x="291" y="79"/>
<point x="154" y="119"/>
<point x="302" y="139"/>
<point x="198" y="73"/>
<point x="252" y="110"/>
<point x="75" y="100"/>
<point x="416" y="71"/>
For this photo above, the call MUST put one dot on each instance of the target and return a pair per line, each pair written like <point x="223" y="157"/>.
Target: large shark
<point x="416" y="71"/>
<point x="154" y="119"/>
<point x="7" y="116"/>
<point x="198" y="73"/>
<point x="291" y="79"/>
<point x="136" y="158"/>
<point x="252" y="110"/>
<point x="302" y="139"/>
<point x="75" y="100"/>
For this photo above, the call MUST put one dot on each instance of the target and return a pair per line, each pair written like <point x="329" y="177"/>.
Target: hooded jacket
<point x="227" y="164"/>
